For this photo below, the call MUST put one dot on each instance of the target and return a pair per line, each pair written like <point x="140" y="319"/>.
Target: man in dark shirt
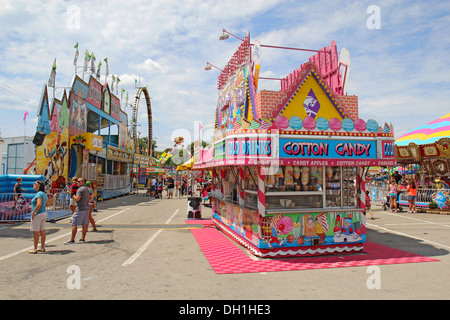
<point x="170" y="185"/>
<point x="397" y="177"/>
<point x="81" y="215"/>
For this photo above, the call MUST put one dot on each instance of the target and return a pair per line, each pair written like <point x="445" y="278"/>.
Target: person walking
<point x="38" y="217"/>
<point x="91" y="205"/>
<point x="81" y="215"/>
<point x="393" y="195"/>
<point x="153" y="189"/>
<point x="412" y="193"/>
<point x="170" y="186"/>
<point x="368" y="205"/>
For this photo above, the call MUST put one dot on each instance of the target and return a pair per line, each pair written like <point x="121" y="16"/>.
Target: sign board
<point x="335" y="149"/>
<point x="440" y="199"/>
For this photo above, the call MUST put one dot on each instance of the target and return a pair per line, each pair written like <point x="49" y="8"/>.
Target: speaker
<point x="39" y="138"/>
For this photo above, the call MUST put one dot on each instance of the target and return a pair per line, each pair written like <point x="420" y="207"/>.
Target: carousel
<point x="428" y="147"/>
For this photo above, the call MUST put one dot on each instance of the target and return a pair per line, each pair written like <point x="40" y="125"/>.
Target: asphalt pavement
<point x="145" y="250"/>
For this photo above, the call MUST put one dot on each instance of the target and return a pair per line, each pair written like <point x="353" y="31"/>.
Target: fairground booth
<point x="85" y="134"/>
<point x="146" y="167"/>
<point x="288" y="165"/>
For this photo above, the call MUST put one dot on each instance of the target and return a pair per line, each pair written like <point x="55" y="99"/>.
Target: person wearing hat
<point x="91" y="206"/>
<point x="170" y="186"/>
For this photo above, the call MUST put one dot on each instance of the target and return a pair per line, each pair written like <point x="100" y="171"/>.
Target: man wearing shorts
<point x="170" y="186"/>
<point x="81" y="215"/>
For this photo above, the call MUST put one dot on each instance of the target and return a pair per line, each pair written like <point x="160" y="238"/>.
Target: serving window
<point x="296" y="187"/>
<point x="292" y="187"/>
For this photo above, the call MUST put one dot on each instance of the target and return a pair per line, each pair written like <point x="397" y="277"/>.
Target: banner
<point x="51" y="80"/>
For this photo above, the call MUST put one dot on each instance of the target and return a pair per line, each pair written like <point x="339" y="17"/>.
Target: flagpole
<point x="25" y="127"/>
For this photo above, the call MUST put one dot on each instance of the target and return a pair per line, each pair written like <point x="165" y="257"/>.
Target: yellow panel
<point x="295" y="106"/>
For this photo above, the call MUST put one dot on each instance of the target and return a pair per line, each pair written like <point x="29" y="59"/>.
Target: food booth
<point x="288" y="173"/>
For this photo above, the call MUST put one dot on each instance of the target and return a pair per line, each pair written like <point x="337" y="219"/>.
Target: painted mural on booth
<point x="52" y="157"/>
<point x="292" y="230"/>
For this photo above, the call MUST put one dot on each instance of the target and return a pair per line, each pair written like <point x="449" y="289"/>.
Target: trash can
<point x="194" y="208"/>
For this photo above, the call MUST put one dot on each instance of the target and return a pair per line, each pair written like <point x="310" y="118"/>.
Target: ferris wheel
<point x="142" y="91"/>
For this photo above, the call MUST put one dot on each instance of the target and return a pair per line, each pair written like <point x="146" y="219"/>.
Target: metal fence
<point x="18" y="208"/>
<point x="379" y="193"/>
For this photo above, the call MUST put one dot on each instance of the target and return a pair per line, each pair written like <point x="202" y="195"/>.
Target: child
<point x="18" y="191"/>
<point x="91" y="206"/>
<point x="368" y="206"/>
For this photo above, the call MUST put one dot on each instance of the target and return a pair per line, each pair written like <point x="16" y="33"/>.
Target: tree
<point x="191" y="146"/>
<point x="143" y="146"/>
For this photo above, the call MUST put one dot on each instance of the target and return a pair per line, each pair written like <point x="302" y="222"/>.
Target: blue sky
<point x="399" y="72"/>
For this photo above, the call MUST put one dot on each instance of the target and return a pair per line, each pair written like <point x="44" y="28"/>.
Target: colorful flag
<point x="25" y="117"/>
<point x="93" y="62"/>
<point x="87" y="58"/>
<point x="98" y="70"/>
<point x="107" y="67"/>
<point x="75" y="59"/>
<point x="51" y="80"/>
<point x="117" y="85"/>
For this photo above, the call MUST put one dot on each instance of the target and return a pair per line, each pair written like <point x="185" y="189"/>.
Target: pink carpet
<point x="225" y="257"/>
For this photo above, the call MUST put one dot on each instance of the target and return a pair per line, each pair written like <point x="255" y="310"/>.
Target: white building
<point x="15" y="155"/>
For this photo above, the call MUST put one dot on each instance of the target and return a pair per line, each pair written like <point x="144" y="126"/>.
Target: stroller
<point x="387" y="203"/>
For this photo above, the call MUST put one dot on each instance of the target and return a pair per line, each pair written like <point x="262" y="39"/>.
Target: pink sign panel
<point x="94" y="94"/>
<point x="115" y="107"/>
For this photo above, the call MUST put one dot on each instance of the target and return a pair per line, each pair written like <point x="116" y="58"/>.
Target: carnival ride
<point x="12" y="206"/>
<point x="142" y="91"/>
<point x="428" y="147"/>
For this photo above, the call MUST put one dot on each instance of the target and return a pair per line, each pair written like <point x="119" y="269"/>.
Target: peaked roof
<point x="43" y="101"/>
<point x="309" y="69"/>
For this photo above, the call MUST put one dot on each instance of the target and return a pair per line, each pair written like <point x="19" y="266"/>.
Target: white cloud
<point x="396" y="71"/>
<point x="151" y="66"/>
